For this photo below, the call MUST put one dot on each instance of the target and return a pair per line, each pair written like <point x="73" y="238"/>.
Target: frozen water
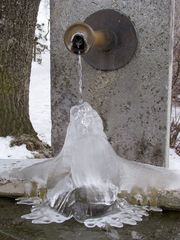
<point x="84" y="179"/>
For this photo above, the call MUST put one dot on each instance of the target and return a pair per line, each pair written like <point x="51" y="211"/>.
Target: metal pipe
<point x="79" y="38"/>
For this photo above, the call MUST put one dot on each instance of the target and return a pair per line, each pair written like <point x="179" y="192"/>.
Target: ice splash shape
<point x="84" y="179"/>
<point x="116" y="215"/>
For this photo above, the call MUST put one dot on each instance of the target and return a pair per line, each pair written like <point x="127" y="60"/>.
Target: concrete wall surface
<point x="132" y="101"/>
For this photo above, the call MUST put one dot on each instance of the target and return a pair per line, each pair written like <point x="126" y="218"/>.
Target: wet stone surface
<point x="157" y="226"/>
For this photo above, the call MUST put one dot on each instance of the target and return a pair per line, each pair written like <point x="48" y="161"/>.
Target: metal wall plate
<point x="125" y="40"/>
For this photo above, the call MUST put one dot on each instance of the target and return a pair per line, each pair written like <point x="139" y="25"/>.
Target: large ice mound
<point x="84" y="179"/>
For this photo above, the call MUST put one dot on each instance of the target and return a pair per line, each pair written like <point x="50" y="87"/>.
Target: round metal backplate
<point x="125" y="40"/>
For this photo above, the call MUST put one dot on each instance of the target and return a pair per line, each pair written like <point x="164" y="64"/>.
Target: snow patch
<point x="7" y="152"/>
<point x="174" y="159"/>
<point x="39" y="99"/>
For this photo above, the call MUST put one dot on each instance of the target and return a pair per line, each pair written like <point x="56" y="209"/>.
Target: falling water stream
<point x="80" y="78"/>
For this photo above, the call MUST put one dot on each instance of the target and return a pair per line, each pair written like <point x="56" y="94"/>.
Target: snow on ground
<point x="40" y="112"/>
<point x="174" y="159"/>
<point x="175" y="112"/>
<point x="39" y="99"/>
<point x="13" y="152"/>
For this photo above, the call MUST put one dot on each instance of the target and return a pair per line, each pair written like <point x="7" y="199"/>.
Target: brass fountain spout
<point x="79" y="38"/>
<point x="107" y="39"/>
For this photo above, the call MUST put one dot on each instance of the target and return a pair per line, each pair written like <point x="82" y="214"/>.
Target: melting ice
<point x="84" y="179"/>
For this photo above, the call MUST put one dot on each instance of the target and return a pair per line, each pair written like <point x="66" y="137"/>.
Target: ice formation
<point x="84" y="179"/>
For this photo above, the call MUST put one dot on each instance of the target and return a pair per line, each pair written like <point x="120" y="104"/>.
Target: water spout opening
<point x="79" y="44"/>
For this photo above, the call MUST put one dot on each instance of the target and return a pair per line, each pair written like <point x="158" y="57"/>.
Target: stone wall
<point x="176" y="69"/>
<point x="132" y="101"/>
